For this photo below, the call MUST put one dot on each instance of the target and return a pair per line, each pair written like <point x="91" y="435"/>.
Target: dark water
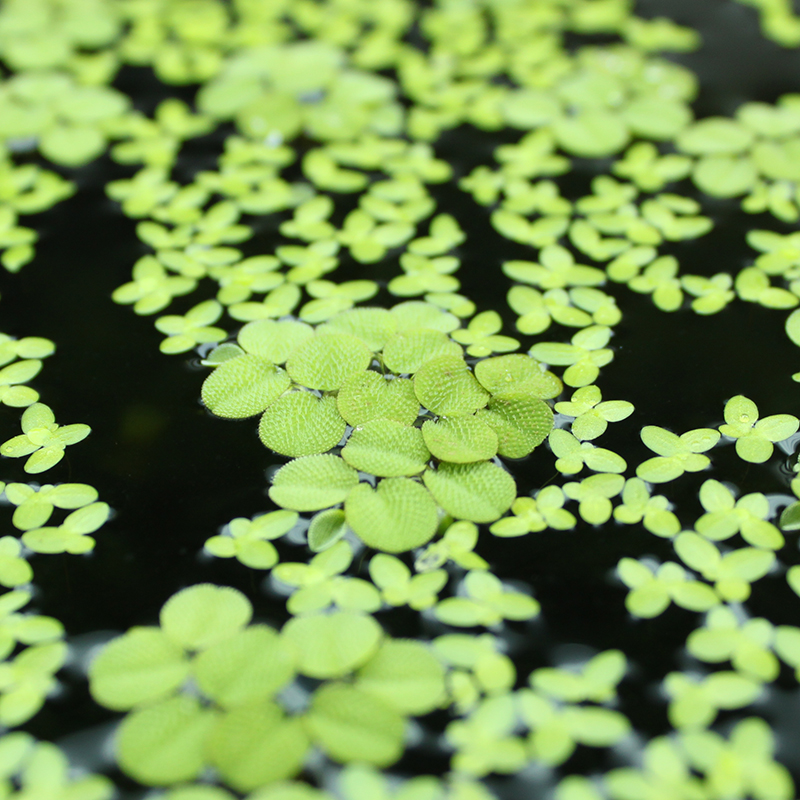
<point x="174" y="474"/>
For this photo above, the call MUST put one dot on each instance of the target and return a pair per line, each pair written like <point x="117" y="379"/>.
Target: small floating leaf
<point x="446" y="386"/>
<point x="386" y="448"/>
<point x="311" y="483"/>
<point x="332" y="645"/>
<point x="520" y="421"/>
<point x="397" y="516"/>
<point x="352" y="725"/>
<point x="165" y="743"/>
<point x="517" y="371"/>
<point x="301" y="424"/>
<point x="250" y="666"/>
<point x="326" y="529"/>
<point x="243" y="387"/>
<point x="204" y="614"/>
<point x="480" y="492"/>
<point x="256" y="744"/>
<point x="272" y="340"/>
<point x="327" y="359"/>
<point x="461" y="440"/>
<point x="408" y="350"/>
<point x="406" y="675"/>
<point x="368" y="395"/>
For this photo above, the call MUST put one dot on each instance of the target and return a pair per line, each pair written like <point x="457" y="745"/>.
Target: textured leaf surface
<point x="352" y="725"/>
<point x="272" y="340"/>
<point x="386" y="448"/>
<point x="301" y="424"/>
<point x="250" y="666"/>
<point x="517" y="371"/>
<point x="461" y="440"/>
<point x="332" y="645"/>
<point x="397" y="516"/>
<point x="368" y="395"/>
<point x="165" y="743"/>
<point x="480" y="492"/>
<point x="311" y="483"/>
<point x="520" y="421"/>
<point x="255" y="745"/>
<point x="141" y="666"/>
<point x="373" y="326"/>
<point x="406" y="352"/>
<point x="325" y="361"/>
<point x="405" y="675"/>
<point x="446" y="386"/>
<point x="243" y="387"/>
<point x="204" y="614"/>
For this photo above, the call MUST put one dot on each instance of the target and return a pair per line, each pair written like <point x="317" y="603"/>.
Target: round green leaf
<point x="204" y="614"/>
<point x="326" y="360"/>
<point x="256" y="744"/>
<point x="243" y="387"/>
<point x="407" y="351"/>
<point x="332" y="645"/>
<point x="446" y="386"/>
<point x="250" y="666"/>
<point x="272" y="340"/>
<point x="461" y="440"/>
<point x="517" y="371"/>
<point x="373" y="326"/>
<point x="397" y="516"/>
<point x="369" y="395"/>
<point x="326" y="529"/>
<point x="405" y="675"/>
<point x="480" y="492"/>
<point x="312" y="482"/>
<point x="165" y="743"/>
<point x="593" y="133"/>
<point x="351" y="725"/>
<point x="72" y="145"/>
<point x="386" y="448"/>
<point x="301" y="424"/>
<point x="138" y="667"/>
<point x="520" y="421"/>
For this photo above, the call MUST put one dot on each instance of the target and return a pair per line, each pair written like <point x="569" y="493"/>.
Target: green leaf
<point x="446" y="386"/>
<point x="374" y="326"/>
<point x="397" y="516"/>
<point x="204" y="614"/>
<point x="326" y="528"/>
<point x="352" y="725"/>
<point x="72" y="145"/>
<point x="256" y="744"/>
<point x="408" y="350"/>
<point x="405" y="675"/>
<point x="312" y="482"/>
<point x="327" y="360"/>
<point x="138" y="667"/>
<point x="369" y="395"/>
<point x="461" y="440"/>
<point x="243" y="387"/>
<point x="480" y="492"/>
<point x="301" y="424"/>
<point x="248" y="667"/>
<point x="165" y="743"/>
<point x="386" y="448"/>
<point x="520" y="421"/>
<point x="332" y="645"/>
<point x="517" y="372"/>
<point x="274" y="341"/>
<point x="593" y="133"/>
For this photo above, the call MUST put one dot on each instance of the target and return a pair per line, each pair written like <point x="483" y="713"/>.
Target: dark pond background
<point x="174" y="474"/>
